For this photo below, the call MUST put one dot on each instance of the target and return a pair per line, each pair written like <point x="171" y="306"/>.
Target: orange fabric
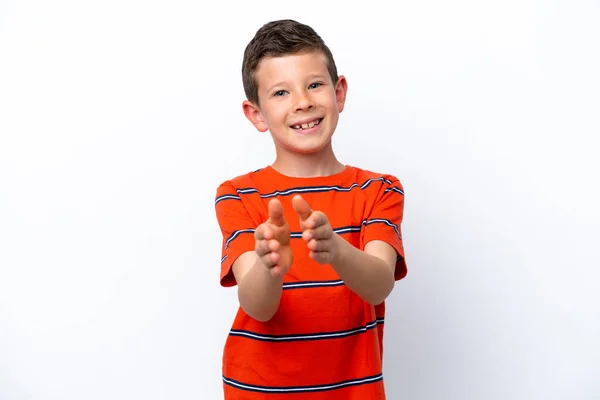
<point x="324" y="342"/>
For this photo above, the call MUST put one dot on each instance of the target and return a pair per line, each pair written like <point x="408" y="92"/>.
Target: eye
<point x="314" y="85"/>
<point x="279" y="93"/>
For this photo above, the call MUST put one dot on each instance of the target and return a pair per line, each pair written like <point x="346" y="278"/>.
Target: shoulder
<point x="236" y="183"/>
<point x="385" y="179"/>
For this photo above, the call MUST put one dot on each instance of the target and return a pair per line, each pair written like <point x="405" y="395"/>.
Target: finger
<point x="301" y="207"/>
<point x="307" y="235"/>
<point x="322" y="257"/>
<point x="276" y="271"/>
<point x="263" y="247"/>
<point x="317" y="219"/>
<point x="276" y="213"/>
<point x="270" y="259"/>
<point x="322" y="232"/>
<point x="318" y="245"/>
<point x="263" y="232"/>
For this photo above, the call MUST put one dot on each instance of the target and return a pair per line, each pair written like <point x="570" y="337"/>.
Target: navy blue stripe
<point x="339" y="231"/>
<point x="306" y="189"/>
<point x="347" y="229"/>
<point x="227" y="197"/>
<point x="302" y="389"/>
<point x="384" y="221"/>
<point x="313" y="189"/>
<point x="300" y="337"/>
<point x="236" y="234"/>
<point x="355" y="228"/>
<point x="311" y="284"/>
<point x="293" y="235"/>
<point x="395" y="189"/>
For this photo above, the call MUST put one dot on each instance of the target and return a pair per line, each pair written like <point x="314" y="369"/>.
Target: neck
<point x="322" y="163"/>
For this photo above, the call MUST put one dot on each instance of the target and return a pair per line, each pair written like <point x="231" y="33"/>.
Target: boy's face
<point x="299" y="103"/>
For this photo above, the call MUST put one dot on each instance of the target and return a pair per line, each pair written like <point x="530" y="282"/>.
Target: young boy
<point x="313" y="245"/>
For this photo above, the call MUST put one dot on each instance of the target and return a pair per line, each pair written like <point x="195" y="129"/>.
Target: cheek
<point x="331" y="103"/>
<point x="269" y="117"/>
<point x="276" y="116"/>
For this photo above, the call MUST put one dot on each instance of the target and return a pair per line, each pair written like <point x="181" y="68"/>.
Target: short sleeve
<point x="237" y="229"/>
<point x="385" y="219"/>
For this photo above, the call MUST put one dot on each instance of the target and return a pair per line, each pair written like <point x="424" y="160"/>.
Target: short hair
<point x="280" y="38"/>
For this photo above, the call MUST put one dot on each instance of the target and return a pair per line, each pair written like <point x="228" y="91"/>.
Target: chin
<point x="307" y="150"/>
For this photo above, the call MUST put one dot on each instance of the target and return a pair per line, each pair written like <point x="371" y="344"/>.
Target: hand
<point x="316" y="231"/>
<point x="272" y="241"/>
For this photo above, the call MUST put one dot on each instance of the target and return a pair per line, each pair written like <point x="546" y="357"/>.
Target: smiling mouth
<point x="308" y="125"/>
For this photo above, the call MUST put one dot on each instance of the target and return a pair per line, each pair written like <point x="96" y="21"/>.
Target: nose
<point x="303" y="101"/>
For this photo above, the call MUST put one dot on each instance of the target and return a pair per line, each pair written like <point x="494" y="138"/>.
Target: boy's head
<point x="292" y="87"/>
<point x="281" y="38"/>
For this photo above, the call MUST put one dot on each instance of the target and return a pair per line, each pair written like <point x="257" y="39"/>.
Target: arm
<point x="259" y="273"/>
<point x="259" y="292"/>
<point x="368" y="273"/>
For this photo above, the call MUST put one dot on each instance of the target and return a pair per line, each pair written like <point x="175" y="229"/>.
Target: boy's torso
<point x="324" y="340"/>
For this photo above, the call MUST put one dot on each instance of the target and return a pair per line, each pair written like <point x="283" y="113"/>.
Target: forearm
<point x="259" y="292"/>
<point x="366" y="275"/>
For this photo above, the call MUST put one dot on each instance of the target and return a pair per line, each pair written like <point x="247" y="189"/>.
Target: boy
<point x="313" y="245"/>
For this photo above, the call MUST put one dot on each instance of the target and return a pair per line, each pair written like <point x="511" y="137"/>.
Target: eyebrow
<point x="282" y="83"/>
<point x="274" y="86"/>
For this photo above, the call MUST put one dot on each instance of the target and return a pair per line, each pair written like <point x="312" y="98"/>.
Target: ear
<point x="252" y="112"/>
<point x="341" y="89"/>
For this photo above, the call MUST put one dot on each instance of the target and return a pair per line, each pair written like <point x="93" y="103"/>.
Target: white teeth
<point x="306" y="126"/>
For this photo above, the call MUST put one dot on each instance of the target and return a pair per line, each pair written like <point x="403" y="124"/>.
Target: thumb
<point x="276" y="213"/>
<point x="301" y="207"/>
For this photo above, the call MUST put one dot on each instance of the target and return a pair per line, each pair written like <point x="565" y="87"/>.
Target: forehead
<point x="290" y="68"/>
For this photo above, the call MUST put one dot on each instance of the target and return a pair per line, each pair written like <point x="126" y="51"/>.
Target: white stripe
<point x="348" y="229"/>
<point x="394" y="189"/>
<point x="301" y="284"/>
<point x="310" y="189"/>
<point x="236" y="234"/>
<point x="370" y="325"/>
<point x="246" y="191"/>
<point x="314" y="188"/>
<point x="227" y="196"/>
<point x="367" y="183"/>
<point x="385" y="221"/>
<point x="305" y="388"/>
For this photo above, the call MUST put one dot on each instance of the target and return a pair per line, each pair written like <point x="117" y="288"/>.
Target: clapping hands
<point x="272" y="237"/>
<point x="316" y="232"/>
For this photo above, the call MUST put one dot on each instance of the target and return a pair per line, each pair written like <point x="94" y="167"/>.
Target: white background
<point x="118" y="119"/>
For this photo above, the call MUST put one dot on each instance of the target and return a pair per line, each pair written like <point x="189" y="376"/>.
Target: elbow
<point x="263" y="319"/>
<point x="256" y="310"/>
<point x="259" y="315"/>
<point x="375" y="301"/>
<point x="260" y="308"/>
<point x="379" y="296"/>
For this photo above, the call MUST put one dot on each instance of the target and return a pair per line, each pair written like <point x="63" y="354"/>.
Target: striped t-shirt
<point x="324" y="341"/>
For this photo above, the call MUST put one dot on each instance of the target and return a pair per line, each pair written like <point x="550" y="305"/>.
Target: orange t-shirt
<point x="324" y="341"/>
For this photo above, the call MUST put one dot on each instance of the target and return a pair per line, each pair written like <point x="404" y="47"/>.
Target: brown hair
<point x="280" y="38"/>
